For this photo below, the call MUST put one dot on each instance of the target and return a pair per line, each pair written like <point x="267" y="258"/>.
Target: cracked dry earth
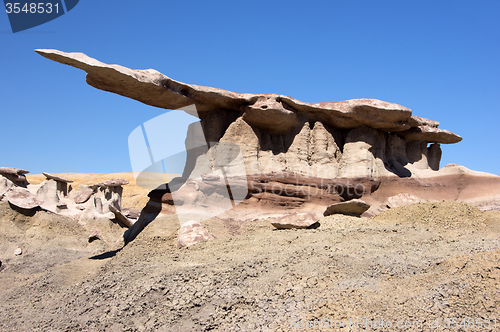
<point x="419" y="263"/>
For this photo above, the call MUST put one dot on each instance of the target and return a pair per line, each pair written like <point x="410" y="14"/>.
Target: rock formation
<point x="14" y="176"/>
<point x="99" y="201"/>
<point x="295" y="155"/>
<point x="53" y="192"/>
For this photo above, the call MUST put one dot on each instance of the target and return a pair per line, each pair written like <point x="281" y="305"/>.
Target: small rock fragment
<point x="131" y="214"/>
<point x="18" y="251"/>
<point x="192" y="232"/>
<point x="354" y="207"/>
<point x="296" y="220"/>
<point x="94" y="235"/>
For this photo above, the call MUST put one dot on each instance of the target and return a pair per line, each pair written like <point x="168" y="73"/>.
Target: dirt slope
<point x="413" y="264"/>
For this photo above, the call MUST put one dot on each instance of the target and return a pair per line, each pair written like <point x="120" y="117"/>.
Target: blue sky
<point x="439" y="58"/>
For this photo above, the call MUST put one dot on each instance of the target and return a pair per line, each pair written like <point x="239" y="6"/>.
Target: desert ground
<point x="431" y="266"/>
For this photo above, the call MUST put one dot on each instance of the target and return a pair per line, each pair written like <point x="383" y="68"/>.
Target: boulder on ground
<point x="192" y="232"/>
<point x="94" y="235"/>
<point x="296" y="220"/>
<point x="402" y="200"/>
<point x="354" y="207"/>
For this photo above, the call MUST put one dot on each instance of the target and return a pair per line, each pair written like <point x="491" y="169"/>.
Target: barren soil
<point x="414" y="264"/>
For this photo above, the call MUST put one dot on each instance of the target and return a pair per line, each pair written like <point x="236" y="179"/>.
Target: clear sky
<point x="439" y="58"/>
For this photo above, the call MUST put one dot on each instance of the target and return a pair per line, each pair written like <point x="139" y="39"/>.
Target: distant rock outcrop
<point x="102" y="200"/>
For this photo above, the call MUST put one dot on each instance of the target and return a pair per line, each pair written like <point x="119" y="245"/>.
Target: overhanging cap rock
<point x="273" y="112"/>
<point x="13" y="171"/>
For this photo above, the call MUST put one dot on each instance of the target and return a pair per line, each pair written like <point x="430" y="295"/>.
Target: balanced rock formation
<point x="102" y="200"/>
<point x="14" y="175"/>
<point x="273" y="152"/>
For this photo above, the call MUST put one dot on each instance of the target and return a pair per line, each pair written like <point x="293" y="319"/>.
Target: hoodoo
<point x="274" y="153"/>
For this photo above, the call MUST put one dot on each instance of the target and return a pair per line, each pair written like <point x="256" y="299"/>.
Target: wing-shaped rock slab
<point x="275" y="113"/>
